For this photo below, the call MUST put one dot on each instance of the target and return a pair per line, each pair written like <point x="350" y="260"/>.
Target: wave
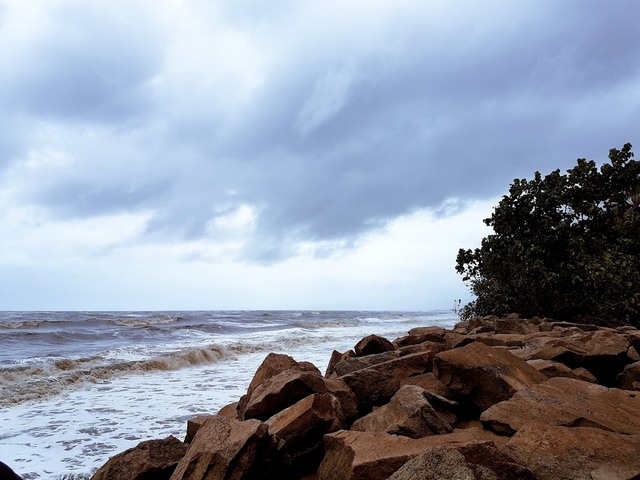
<point x="25" y="383"/>
<point x="144" y="321"/>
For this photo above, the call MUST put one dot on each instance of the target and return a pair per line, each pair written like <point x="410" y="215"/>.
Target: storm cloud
<point x="292" y="123"/>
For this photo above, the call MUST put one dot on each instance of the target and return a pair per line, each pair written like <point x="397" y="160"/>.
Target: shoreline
<point x="455" y="397"/>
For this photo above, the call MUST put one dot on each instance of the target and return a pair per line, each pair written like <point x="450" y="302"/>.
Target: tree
<point x="565" y="246"/>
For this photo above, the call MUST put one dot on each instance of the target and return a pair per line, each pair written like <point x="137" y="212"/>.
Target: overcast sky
<point x="237" y="154"/>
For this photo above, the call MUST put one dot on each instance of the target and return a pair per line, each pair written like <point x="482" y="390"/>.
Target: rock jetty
<point x="491" y="399"/>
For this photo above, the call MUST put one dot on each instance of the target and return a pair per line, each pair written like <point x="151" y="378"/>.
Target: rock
<point x="477" y="461"/>
<point x="508" y="340"/>
<point x="629" y="379"/>
<point x="7" y="474"/>
<point x="552" y="452"/>
<point x="435" y="463"/>
<point x="225" y="449"/>
<point x="193" y="425"/>
<point x="338" y="388"/>
<point x="420" y="335"/>
<point x="515" y="326"/>
<point x="302" y="427"/>
<point x="373" y="344"/>
<point x="483" y="376"/>
<point x="229" y="411"/>
<point x="422" y="347"/>
<point x="602" y="352"/>
<point x="567" y="402"/>
<point x="336" y="356"/>
<point x="429" y="382"/>
<point x="408" y="413"/>
<point x="155" y="459"/>
<point x="352" y="364"/>
<point x="354" y="455"/>
<point x="375" y="385"/>
<point x="279" y="383"/>
<point x="455" y="340"/>
<point x="556" y="369"/>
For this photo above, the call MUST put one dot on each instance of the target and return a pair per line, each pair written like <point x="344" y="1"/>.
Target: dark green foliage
<point x="564" y="246"/>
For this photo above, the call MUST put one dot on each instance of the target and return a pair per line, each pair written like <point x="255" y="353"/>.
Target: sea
<point x="79" y="387"/>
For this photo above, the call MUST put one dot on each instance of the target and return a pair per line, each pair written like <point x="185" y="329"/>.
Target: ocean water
<point x="78" y="387"/>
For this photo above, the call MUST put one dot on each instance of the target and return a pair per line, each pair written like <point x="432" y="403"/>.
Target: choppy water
<point x="79" y="387"/>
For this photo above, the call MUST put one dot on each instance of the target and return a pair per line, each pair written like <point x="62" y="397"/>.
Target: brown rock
<point x="193" y="425"/>
<point x="278" y="383"/>
<point x="629" y="379"/>
<point x="155" y="459"/>
<point x="455" y="340"/>
<point x="336" y="356"/>
<point x="429" y="382"/>
<point x="420" y="335"/>
<point x="553" y="453"/>
<point x="483" y="376"/>
<point x="556" y="369"/>
<point x="567" y="402"/>
<point x="375" y="385"/>
<point x="508" y="340"/>
<point x="338" y="388"/>
<point x="280" y="392"/>
<point x="229" y="449"/>
<point x="422" y="347"/>
<point x="229" y="411"/>
<point x="408" y="413"/>
<point x="373" y="344"/>
<point x="352" y="364"/>
<point x="515" y="326"/>
<point x="602" y="352"/>
<point x="435" y="463"/>
<point x="376" y="456"/>
<point x="302" y="427"/>
<point x="477" y="461"/>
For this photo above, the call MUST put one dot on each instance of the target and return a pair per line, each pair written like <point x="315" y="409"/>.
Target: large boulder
<point x="514" y="325"/>
<point x="482" y="376"/>
<point x="602" y="352"/>
<point x="629" y="379"/>
<point x="375" y="385"/>
<point x="554" y="369"/>
<point x="278" y="383"/>
<point x="567" y="402"/>
<point x="155" y="459"/>
<point x="429" y="382"/>
<point x="226" y="448"/>
<point x="476" y="461"/>
<point x="302" y="427"/>
<point x="553" y="452"/>
<point x="351" y="364"/>
<point x="421" y="335"/>
<point x="354" y="455"/>
<point x="373" y="344"/>
<point x="408" y="413"/>
<point x="7" y="474"/>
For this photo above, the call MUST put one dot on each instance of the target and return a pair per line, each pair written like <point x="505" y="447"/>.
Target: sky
<point x="334" y="154"/>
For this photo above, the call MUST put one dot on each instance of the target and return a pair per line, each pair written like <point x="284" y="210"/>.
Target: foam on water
<point x="92" y="407"/>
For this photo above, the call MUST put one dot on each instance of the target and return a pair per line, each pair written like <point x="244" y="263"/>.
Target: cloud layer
<point x="291" y="127"/>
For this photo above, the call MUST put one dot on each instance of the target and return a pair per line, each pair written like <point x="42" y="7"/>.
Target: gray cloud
<point x="347" y="127"/>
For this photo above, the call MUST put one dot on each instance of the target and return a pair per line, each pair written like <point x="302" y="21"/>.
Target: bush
<point x="564" y="246"/>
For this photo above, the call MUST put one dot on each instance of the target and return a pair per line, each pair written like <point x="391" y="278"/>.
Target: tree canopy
<point x="565" y="246"/>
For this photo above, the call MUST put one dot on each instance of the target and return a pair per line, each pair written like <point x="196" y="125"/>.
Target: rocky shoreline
<point x="493" y="398"/>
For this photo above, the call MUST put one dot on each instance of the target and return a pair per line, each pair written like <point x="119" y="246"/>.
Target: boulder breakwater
<point x="492" y="398"/>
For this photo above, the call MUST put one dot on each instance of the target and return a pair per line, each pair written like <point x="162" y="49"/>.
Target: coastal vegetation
<point x="565" y="246"/>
